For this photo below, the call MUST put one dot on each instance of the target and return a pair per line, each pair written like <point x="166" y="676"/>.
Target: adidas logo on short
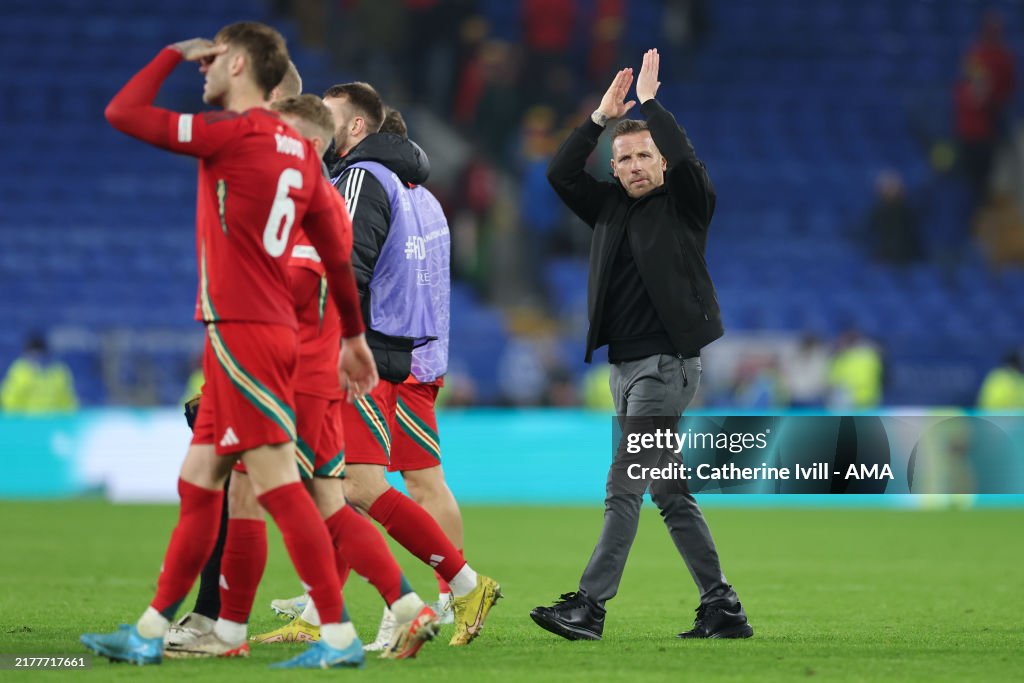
<point x="229" y="438"/>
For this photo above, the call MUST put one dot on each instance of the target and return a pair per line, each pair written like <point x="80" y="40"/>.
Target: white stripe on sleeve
<point x="353" y="187"/>
<point x="185" y="128"/>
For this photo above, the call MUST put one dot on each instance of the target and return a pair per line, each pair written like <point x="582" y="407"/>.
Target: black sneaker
<point x="573" y="617"/>
<point x="714" y="621"/>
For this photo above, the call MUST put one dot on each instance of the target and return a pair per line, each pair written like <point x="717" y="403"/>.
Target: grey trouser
<point x="651" y="394"/>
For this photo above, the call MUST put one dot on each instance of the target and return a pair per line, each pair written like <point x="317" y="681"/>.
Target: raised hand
<point x="647" y="82"/>
<point x="199" y="49"/>
<point x="613" y="104"/>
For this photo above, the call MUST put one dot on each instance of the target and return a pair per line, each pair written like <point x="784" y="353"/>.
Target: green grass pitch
<point x="833" y="595"/>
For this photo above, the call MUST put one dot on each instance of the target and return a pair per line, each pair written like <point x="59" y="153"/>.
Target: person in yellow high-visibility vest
<point x="856" y="374"/>
<point x="1003" y="387"/>
<point x="36" y="383"/>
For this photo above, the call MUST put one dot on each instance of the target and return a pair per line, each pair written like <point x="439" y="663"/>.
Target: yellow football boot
<point x="298" y="630"/>
<point x="472" y="609"/>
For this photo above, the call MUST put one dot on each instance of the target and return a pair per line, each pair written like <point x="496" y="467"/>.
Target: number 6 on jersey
<point x="282" y="213"/>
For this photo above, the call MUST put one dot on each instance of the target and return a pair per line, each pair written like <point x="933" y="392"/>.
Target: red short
<point x="394" y="426"/>
<point x="321" y="444"/>
<point x="247" y="399"/>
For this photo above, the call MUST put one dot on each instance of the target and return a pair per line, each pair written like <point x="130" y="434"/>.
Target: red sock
<point x="241" y="567"/>
<point x="362" y="547"/>
<point x="416" y="530"/>
<point x="191" y="543"/>
<point x="309" y="545"/>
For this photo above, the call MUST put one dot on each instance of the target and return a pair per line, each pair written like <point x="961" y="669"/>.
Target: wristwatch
<point x="599" y="118"/>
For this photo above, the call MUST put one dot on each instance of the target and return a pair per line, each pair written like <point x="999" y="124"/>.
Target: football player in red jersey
<point x="200" y="620"/>
<point x="257" y="179"/>
<point x="318" y="399"/>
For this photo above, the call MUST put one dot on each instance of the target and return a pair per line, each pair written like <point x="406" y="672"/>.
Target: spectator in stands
<point x="37" y="383"/>
<point x="605" y="33"/>
<point x="805" y="373"/>
<point x="548" y="27"/>
<point x="561" y="391"/>
<point x="595" y="388"/>
<point x="540" y="211"/>
<point x="430" y="50"/>
<point x="474" y="211"/>
<point x="893" y="235"/>
<point x="487" y="101"/>
<point x="855" y="378"/>
<point x="758" y="385"/>
<point x="685" y="26"/>
<point x="994" y="58"/>
<point x="975" y="127"/>
<point x="1003" y="387"/>
<point x="523" y="373"/>
<point x="459" y="390"/>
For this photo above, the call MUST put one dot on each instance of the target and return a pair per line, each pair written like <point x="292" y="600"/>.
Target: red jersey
<point x="259" y="181"/>
<point x="316" y="373"/>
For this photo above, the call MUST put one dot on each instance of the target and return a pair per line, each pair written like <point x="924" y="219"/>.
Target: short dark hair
<point x="291" y="84"/>
<point x="268" y="54"/>
<point x="394" y="124"/>
<point x="310" y="109"/>
<point x="627" y="126"/>
<point x="364" y="99"/>
<point x="36" y="341"/>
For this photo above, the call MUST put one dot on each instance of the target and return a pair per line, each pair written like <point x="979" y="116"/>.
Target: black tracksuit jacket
<point x="667" y="231"/>
<point x="370" y="208"/>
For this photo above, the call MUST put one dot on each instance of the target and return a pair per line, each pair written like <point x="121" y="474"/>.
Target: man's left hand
<point x="647" y="82"/>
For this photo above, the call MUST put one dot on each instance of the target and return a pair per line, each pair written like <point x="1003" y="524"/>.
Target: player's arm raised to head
<point x="329" y="228"/>
<point x="132" y="112"/>
<point x="370" y="210"/>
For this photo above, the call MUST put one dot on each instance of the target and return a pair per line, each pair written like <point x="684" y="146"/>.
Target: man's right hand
<point x="613" y="104"/>
<point x="199" y="49"/>
<point x="357" y="370"/>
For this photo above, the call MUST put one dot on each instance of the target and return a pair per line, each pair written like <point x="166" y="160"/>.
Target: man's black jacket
<point x="370" y="209"/>
<point x="667" y="231"/>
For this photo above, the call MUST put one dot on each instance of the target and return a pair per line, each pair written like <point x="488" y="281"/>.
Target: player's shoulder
<point x="219" y="116"/>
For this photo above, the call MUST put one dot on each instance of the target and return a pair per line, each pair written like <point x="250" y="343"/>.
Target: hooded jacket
<point x="667" y="229"/>
<point x="370" y="209"/>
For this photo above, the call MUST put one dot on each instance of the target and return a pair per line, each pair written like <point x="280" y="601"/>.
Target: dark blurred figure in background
<point x="758" y="384"/>
<point x="37" y="383"/>
<point x="605" y="36"/>
<point x="893" y="235"/>
<point x="540" y="211"/>
<point x="1003" y="387"/>
<point x="995" y="59"/>
<point x="429" y="54"/>
<point x="685" y="25"/>
<point x="487" y="102"/>
<point x="981" y="99"/>
<point x="548" y="28"/>
<point x="975" y="128"/>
